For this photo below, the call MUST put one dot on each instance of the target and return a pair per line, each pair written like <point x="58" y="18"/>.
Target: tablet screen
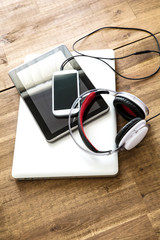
<point x="33" y="80"/>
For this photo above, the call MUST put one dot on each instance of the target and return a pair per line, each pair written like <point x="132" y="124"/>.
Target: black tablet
<point x="33" y="81"/>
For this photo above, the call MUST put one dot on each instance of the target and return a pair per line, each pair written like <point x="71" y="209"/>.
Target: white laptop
<point x="35" y="158"/>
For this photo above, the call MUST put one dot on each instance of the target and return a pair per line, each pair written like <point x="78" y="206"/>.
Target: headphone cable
<point x="116" y="58"/>
<point x="153" y="117"/>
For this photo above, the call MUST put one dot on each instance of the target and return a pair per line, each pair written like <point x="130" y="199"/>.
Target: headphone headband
<point x="81" y="97"/>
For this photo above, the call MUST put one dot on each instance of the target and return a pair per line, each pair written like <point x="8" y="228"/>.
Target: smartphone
<point x="65" y="90"/>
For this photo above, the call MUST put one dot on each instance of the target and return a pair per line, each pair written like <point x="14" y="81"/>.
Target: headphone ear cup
<point x="127" y="108"/>
<point x="132" y="133"/>
<point x="125" y="129"/>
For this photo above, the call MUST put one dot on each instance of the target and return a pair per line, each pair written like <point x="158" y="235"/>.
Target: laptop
<point x="35" y="158"/>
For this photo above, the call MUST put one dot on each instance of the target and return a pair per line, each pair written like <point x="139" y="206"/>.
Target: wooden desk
<point x="123" y="207"/>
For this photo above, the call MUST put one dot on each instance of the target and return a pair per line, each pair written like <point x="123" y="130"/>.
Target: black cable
<point x="122" y="28"/>
<point x="153" y="117"/>
<point x="116" y="58"/>
<point x="100" y="59"/>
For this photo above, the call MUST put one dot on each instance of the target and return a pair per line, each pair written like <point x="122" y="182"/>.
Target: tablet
<point x="33" y="81"/>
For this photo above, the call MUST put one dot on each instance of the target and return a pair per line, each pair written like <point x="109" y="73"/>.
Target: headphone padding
<point x="134" y="109"/>
<point x="85" y="104"/>
<point x="125" y="129"/>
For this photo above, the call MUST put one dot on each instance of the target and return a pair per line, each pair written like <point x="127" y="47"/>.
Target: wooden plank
<point x="9" y="101"/>
<point x="45" y="25"/>
<point x="145" y="7"/>
<point x="155" y="220"/>
<point x="124" y="207"/>
<point x="138" y="65"/>
<point x="19" y="14"/>
<point x="139" y="228"/>
<point x="44" y="211"/>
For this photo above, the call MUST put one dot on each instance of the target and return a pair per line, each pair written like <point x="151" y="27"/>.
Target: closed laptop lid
<point x="35" y="158"/>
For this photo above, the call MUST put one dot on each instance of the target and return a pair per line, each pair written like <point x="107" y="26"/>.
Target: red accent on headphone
<point x="128" y="110"/>
<point x="85" y="104"/>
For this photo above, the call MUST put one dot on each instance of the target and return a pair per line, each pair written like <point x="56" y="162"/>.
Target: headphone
<point x="128" y="106"/>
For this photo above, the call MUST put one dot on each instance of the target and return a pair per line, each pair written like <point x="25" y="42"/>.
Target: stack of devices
<point x="45" y="104"/>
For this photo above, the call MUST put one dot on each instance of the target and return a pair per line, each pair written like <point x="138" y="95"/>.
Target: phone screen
<point x="65" y="90"/>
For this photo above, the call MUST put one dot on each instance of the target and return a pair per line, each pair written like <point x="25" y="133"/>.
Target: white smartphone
<point x="65" y="90"/>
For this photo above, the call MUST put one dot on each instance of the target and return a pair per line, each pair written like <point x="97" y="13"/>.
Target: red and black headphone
<point x="126" y="104"/>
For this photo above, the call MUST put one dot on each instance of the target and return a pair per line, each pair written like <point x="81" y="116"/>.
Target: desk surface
<point x="123" y="207"/>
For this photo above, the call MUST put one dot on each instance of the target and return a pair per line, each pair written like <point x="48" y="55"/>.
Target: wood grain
<point x="126" y="207"/>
